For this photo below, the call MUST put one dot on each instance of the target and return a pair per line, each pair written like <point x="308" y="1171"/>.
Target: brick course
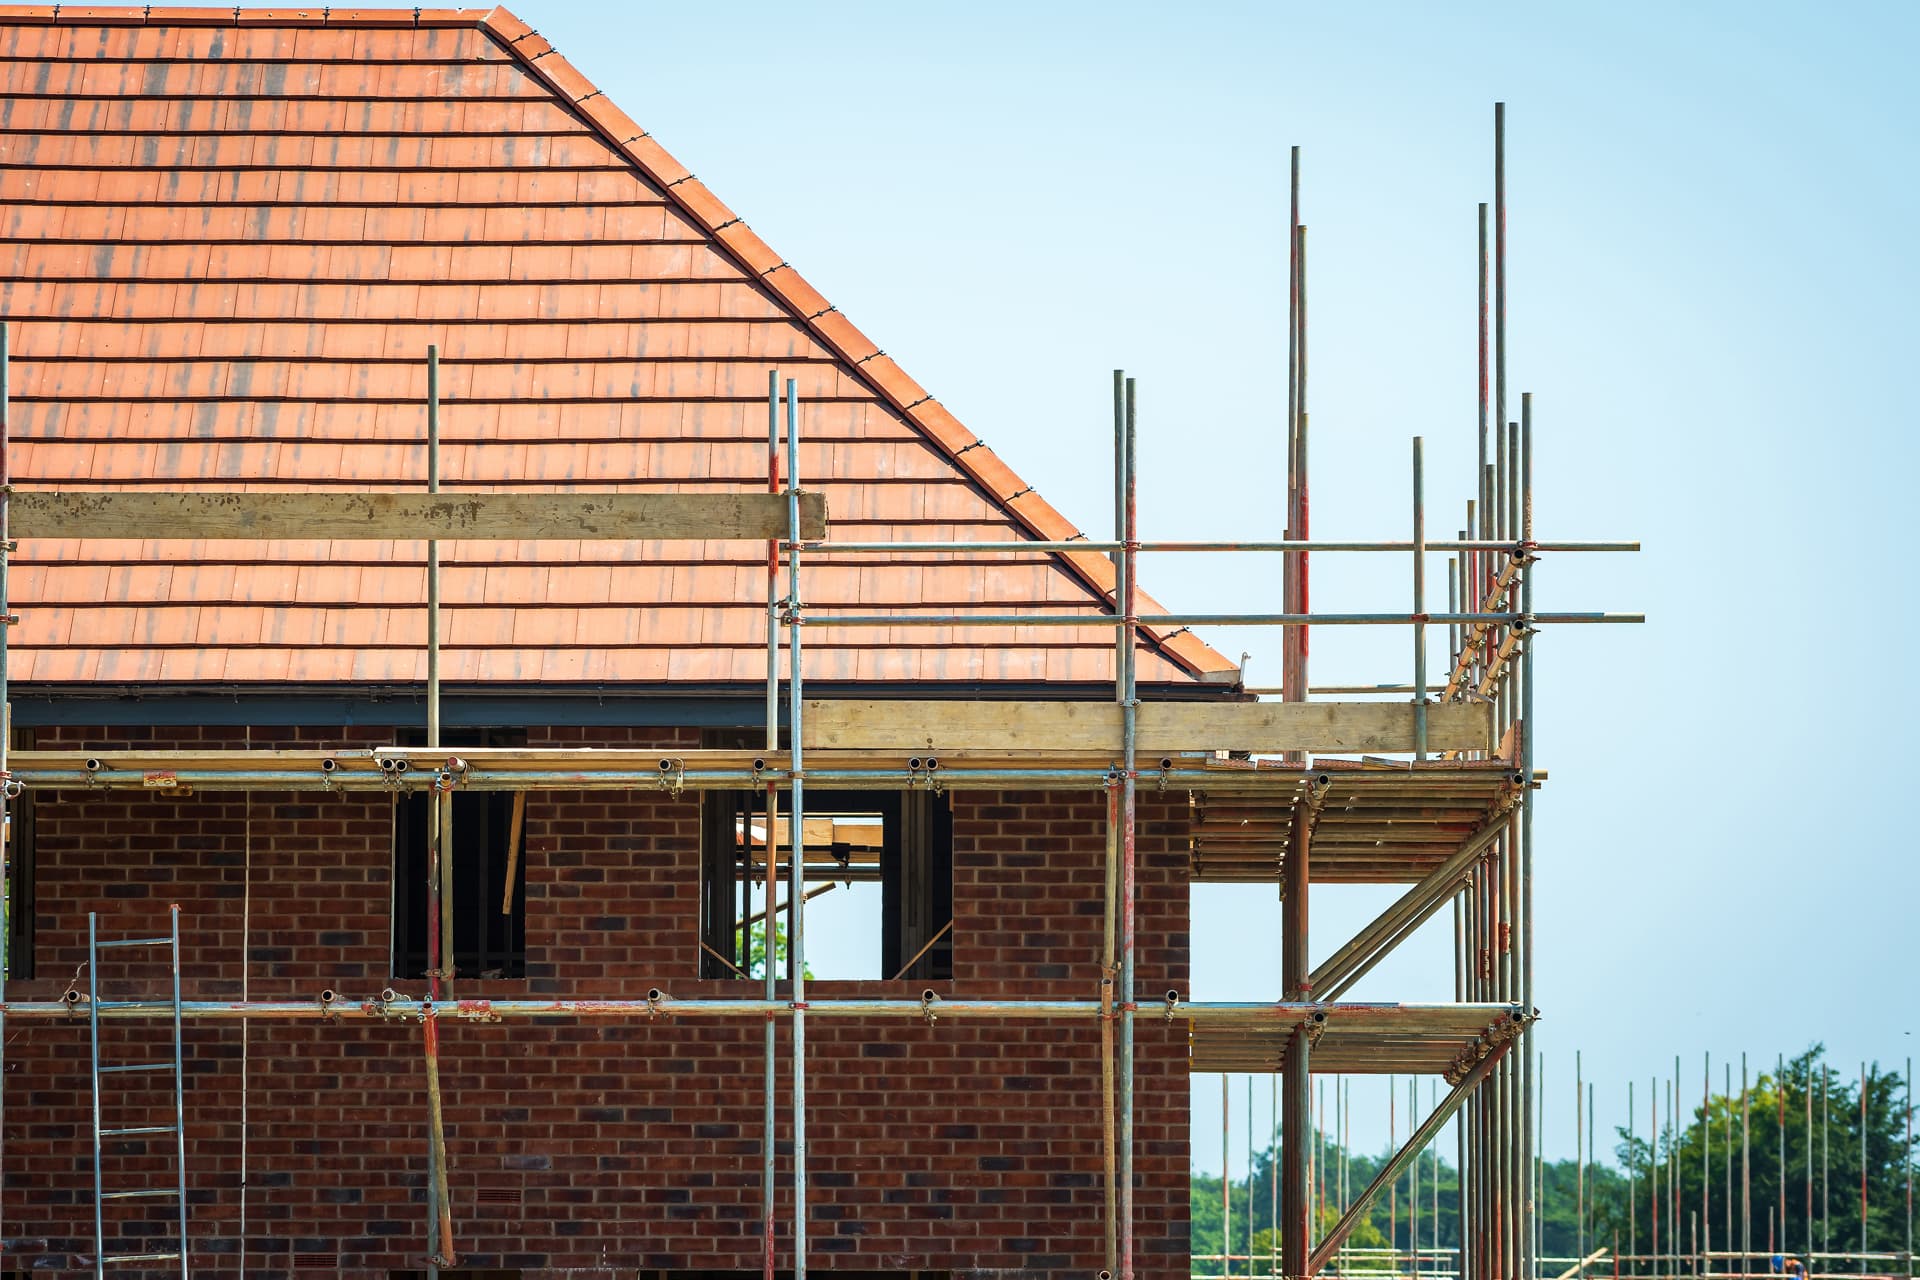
<point x="589" y="1148"/>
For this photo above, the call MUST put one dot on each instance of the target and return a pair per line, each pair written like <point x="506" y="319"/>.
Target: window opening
<point x="487" y="827"/>
<point x="877" y="874"/>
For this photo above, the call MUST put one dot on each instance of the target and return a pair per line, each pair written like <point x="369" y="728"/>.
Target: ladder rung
<point x="138" y="1066"/>
<point x="133" y="942"/>
<point x="139" y="1128"/>
<point x="146" y="1193"/>
<point x="144" y="1006"/>
<point x="140" y="1257"/>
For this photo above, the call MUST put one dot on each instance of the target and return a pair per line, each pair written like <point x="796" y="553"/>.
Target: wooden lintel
<point x="1163" y="728"/>
<point x="403" y="516"/>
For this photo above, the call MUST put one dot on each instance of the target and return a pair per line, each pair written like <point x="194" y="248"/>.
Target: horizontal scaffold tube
<point x="950" y="778"/>
<point x="1408" y="1017"/>
<point x="1469" y="544"/>
<point x="1204" y="619"/>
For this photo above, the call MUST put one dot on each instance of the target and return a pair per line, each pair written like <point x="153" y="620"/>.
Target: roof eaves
<point x="965" y="450"/>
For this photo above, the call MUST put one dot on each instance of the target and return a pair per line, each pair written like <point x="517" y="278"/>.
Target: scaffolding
<point x="1438" y="795"/>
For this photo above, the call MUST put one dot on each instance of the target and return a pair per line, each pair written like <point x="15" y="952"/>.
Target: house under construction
<point x="470" y="595"/>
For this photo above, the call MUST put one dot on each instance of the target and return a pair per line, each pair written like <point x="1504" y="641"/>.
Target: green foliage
<point x="1617" y="1198"/>
<point x="1814" y="1117"/>
<point x="757" y="959"/>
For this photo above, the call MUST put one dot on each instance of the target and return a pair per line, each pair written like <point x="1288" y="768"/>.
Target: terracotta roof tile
<point x="230" y="244"/>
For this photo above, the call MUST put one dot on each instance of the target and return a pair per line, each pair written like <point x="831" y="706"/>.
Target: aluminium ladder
<point x="178" y="1191"/>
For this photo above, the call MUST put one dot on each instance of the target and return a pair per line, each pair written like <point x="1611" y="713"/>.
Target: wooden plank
<point x="1164" y="727"/>
<point x="410" y="516"/>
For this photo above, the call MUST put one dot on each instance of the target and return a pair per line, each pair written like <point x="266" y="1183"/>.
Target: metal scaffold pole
<point x="1128" y="829"/>
<point x="1122" y="397"/>
<point x="796" y="839"/>
<point x="439" y="878"/>
<point x="769" y="918"/>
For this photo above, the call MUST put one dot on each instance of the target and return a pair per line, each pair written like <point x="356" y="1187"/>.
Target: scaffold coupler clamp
<point x="72" y="998"/>
<point x="759" y="769"/>
<point x="928" y="1000"/>
<point x="673" y="776"/>
<point x="1315" y="1026"/>
<point x="11" y="787"/>
<point x="451" y="774"/>
<point x="326" y="998"/>
<point x="392" y="770"/>
<point x="391" y="1005"/>
<point x="1173" y="1003"/>
<point x="655" y="996"/>
<point x="1166" y="773"/>
<point x="476" y="1011"/>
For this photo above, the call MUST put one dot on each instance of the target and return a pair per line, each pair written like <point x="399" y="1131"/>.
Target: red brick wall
<point x="962" y="1145"/>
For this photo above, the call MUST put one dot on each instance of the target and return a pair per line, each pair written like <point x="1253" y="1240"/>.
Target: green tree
<point x="1616" y="1199"/>
<point x="1822" y="1121"/>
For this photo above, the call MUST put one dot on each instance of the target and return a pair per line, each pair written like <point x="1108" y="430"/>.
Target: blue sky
<point x="1713" y="277"/>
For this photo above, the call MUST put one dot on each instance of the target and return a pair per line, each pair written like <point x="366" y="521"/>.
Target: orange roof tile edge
<point x="967" y="452"/>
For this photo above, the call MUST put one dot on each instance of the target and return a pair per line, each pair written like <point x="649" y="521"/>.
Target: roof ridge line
<point x="830" y="325"/>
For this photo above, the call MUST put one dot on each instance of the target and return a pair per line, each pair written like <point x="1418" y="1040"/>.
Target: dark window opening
<point x="488" y="838"/>
<point x="20" y="875"/>
<point x="885" y="857"/>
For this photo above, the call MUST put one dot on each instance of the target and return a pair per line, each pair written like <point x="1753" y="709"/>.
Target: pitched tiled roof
<point x="229" y="242"/>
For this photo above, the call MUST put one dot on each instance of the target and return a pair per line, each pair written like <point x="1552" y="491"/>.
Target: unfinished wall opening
<point x="490" y="873"/>
<point x="877" y="871"/>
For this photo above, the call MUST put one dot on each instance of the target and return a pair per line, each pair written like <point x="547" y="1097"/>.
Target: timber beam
<point x="403" y="516"/>
<point x="1262" y="728"/>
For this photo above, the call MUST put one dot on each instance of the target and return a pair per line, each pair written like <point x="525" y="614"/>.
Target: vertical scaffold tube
<point x="1746" y="1173"/>
<point x="439" y="874"/>
<point x="1303" y="489"/>
<point x="1500" y="1163"/>
<point x="769" y="918"/>
<point x="1528" y="1100"/>
<point x="1419" y="603"/>
<point x="179" y="1099"/>
<point x="1128" y="720"/>
<point x="1226" y="1182"/>
<point x="796" y="839"/>
<point x="1118" y="1198"/>
<point x="1295" y="1225"/>
<point x="1107" y="1118"/>
<point x="93" y="1047"/>
<point x="1290" y="568"/>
